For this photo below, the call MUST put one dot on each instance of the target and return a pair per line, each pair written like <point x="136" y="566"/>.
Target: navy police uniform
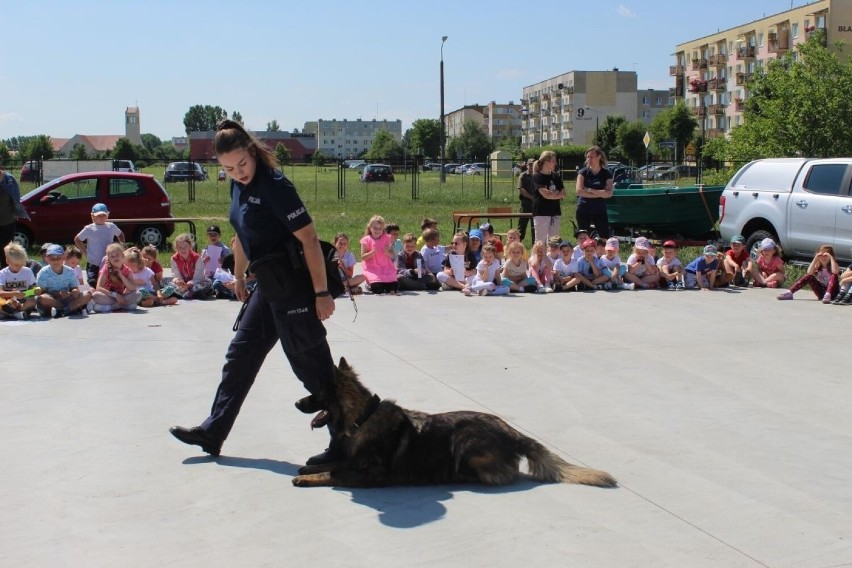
<point x="265" y="214"/>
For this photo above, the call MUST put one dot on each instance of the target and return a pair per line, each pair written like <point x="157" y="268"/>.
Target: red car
<point x="60" y="208"/>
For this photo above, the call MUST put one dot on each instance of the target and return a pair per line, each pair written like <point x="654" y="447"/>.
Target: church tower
<point x="132" y="128"/>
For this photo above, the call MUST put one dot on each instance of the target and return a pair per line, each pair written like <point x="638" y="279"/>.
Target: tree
<point x="607" y="135"/>
<point x="151" y="142"/>
<point x="282" y="153"/>
<point x="629" y="136"/>
<point x="384" y="147"/>
<point x="676" y="123"/>
<point x="318" y="159"/>
<point x="37" y="148"/>
<point x="4" y="153"/>
<point x="425" y="133"/>
<point x="798" y="106"/>
<point x="124" y="150"/>
<point x="237" y="117"/>
<point x="203" y="118"/>
<point x="78" y="152"/>
<point x="473" y="142"/>
<point x="272" y="126"/>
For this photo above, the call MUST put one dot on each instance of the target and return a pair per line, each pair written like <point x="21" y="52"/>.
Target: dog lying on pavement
<point x="384" y="444"/>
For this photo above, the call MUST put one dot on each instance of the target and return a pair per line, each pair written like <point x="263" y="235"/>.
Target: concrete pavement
<point x="723" y="415"/>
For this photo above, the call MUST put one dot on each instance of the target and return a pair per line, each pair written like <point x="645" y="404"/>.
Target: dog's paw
<point x="300" y="481"/>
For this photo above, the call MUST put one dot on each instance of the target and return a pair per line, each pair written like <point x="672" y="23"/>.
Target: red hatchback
<point x="60" y="208"/>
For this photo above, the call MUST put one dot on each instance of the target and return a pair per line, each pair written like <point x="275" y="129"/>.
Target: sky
<point x="71" y="68"/>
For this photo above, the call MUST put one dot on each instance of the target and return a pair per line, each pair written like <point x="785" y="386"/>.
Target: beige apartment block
<point x="497" y="120"/>
<point x="350" y="138"/>
<point x="711" y="73"/>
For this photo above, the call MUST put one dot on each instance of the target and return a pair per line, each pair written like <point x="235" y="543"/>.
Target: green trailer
<point x="665" y="210"/>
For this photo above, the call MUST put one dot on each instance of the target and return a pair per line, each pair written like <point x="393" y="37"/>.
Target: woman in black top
<point x="594" y="187"/>
<point x="549" y="190"/>
<point x="269" y="217"/>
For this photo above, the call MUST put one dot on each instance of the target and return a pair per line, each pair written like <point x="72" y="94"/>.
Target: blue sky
<point x="72" y="67"/>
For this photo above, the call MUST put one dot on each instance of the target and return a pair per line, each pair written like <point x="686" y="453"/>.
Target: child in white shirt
<point x="671" y="269"/>
<point x="487" y="276"/>
<point x="565" y="269"/>
<point x="611" y="264"/>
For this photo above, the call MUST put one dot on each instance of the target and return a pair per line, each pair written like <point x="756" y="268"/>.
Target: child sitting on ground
<point x="474" y="244"/>
<point x="512" y="236"/>
<point x="822" y="277"/>
<point x="149" y="256"/>
<point x="553" y="251"/>
<point x="93" y="239"/>
<point x="641" y="270"/>
<point x="701" y="272"/>
<point x="459" y="266"/>
<point x="737" y="263"/>
<point x="188" y="271"/>
<point x="541" y="270"/>
<point x="377" y="258"/>
<point x="491" y="239"/>
<point x="844" y="296"/>
<point x="487" y="279"/>
<point x="589" y="268"/>
<point x="670" y="267"/>
<point x="432" y="251"/>
<point x="213" y="253"/>
<point x="143" y="277"/>
<point x="581" y="235"/>
<point x="515" y="273"/>
<point x="73" y="258"/>
<point x="393" y="230"/>
<point x="768" y="271"/>
<point x="565" y="269"/>
<point x="411" y="270"/>
<point x="17" y="283"/>
<point x="346" y="264"/>
<point x="60" y="291"/>
<point x="611" y="265"/>
<point x="115" y="289"/>
<point x="427" y="224"/>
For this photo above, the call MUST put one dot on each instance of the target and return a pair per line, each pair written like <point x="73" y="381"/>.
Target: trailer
<point x="52" y="169"/>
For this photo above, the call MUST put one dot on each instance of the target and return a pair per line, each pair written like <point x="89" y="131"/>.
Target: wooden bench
<point x="460" y="217"/>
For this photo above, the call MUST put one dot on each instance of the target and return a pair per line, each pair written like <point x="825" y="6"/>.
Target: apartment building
<point x="350" y="138"/>
<point x="569" y="108"/>
<point x="710" y="73"/>
<point x="455" y="119"/>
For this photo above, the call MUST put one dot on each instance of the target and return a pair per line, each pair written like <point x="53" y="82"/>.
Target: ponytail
<point x="231" y="135"/>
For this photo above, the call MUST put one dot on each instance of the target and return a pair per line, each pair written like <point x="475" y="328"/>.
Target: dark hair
<point x="230" y="135"/>
<point x="391" y="227"/>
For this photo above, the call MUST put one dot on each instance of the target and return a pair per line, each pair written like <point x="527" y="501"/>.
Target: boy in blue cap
<point x="61" y="294"/>
<point x="94" y="239"/>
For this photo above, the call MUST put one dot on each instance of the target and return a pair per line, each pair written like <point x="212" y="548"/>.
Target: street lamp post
<point x="443" y="133"/>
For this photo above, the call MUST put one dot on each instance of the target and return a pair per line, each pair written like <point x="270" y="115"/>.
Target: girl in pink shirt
<point x="768" y="272"/>
<point x="115" y="288"/>
<point x="377" y="258"/>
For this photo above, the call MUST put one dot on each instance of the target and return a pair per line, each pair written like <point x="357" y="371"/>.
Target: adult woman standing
<point x="594" y="187"/>
<point x="549" y="190"/>
<point x="268" y="217"/>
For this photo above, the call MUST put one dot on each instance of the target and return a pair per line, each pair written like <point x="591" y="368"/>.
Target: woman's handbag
<point x="283" y="275"/>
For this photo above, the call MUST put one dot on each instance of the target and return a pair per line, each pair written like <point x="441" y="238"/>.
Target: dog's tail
<point x="546" y="466"/>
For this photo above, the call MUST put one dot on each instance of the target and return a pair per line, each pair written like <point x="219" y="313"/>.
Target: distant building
<point x="710" y="73"/>
<point x="101" y="143"/>
<point x="568" y="108"/>
<point x="301" y="146"/>
<point x="346" y="139"/>
<point x="454" y="120"/>
<point x="650" y="102"/>
<point x="180" y="142"/>
<point x="497" y="120"/>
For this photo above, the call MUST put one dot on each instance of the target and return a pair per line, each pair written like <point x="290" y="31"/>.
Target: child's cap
<point x="588" y="243"/>
<point x="669" y="244"/>
<point x="579" y="232"/>
<point x="612" y="244"/>
<point x="214" y="229"/>
<point x="475" y="234"/>
<point x="738" y="239"/>
<point x="710" y="250"/>
<point x="44" y="247"/>
<point x="486" y="228"/>
<point x="554" y="241"/>
<point x="767" y="244"/>
<point x="100" y="209"/>
<point x="642" y="243"/>
<point x="55" y="250"/>
<point x="565" y="244"/>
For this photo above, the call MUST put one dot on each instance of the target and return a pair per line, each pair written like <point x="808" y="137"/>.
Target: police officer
<point x="268" y="215"/>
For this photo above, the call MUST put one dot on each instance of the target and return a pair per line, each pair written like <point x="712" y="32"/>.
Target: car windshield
<point x="39" y="188"/>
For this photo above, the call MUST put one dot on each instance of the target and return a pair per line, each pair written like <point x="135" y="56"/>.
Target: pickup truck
<point x="801" y="203"/>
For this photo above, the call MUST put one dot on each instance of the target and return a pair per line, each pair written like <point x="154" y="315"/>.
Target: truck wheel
<point x="23" y="238"/>
<point x="151" y="235"/>
<point x="753" y="242"/>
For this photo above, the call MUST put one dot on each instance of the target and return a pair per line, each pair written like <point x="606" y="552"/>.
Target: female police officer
<point x="269" y="217"/>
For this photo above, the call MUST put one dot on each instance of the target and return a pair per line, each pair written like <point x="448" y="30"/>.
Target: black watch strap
<point x="322" y="294"/>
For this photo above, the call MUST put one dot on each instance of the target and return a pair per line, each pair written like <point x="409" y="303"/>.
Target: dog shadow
<point x="408" y="507"/>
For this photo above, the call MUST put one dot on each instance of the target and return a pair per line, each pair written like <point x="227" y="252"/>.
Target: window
<point x="760" y="39"/>
<point x="124" y="187"/>
<point x="796" y="29"/>
<point x="82" y="189"/>
<point x="646" y="100"/>
<point x="825" y="179"/>
<point x="659" y="101"/>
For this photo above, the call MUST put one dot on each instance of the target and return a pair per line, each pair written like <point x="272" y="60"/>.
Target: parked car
<point x="60" y="208"/>
<point x="183" y="171"/>
<point x="476" y="169"/>
<point x="461" y="169"/>
<point x="449" y="168"/>
<point x="377" y="172"/>
<point x="649" y="171"/>
<point x="432" y="166"/>
<point x="30" y="171"/>
<point x="677" y="172"/>
<point x="123" y="166"/>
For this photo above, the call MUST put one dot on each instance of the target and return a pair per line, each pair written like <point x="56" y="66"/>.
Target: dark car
<point x="183" y="171"/>
<point x="377" y="172"/>
<point x="30" y="171"/>
<point x="61" y="207"/>
<point x="678" y="172"/>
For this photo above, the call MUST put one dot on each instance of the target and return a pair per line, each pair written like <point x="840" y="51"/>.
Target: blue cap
<point x="54" y="250"/>
<point x="100" y="208"/>
<point x="475" y="234"/>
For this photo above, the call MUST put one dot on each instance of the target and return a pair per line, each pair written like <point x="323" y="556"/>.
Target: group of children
<point x="478" y="263"/>
<point x="116" y="278"/>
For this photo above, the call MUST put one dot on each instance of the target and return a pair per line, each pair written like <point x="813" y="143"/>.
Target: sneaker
<point x="540" y="290"/>
<point x="826" y="299"/>
<point x="484" y="292"/>
<point x="22" y="315"/>
<point x="168" y="290"/>
<point x="847" y="299"/>
<point x="466" y="291"/>
<point x="739" y="280"/>
<point x="548" y="290"/>
<point x="785" y="295"/>
<point x="90" y="307"/>
<point x="628" y="286"/>
<point x="679" y="286"/>
<point x="56" y="314"/>
<point x="8" y="310"/>
<point x="608" y="286"/>
<point x="445" y="287"/>
<point x="670" y="286"/>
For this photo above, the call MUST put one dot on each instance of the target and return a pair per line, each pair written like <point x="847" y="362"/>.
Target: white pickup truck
<point x="801" y="203"/>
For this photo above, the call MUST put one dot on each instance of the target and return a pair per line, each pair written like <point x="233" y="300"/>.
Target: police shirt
<point x="593" y="182"/>
<point x="266" y="212"/>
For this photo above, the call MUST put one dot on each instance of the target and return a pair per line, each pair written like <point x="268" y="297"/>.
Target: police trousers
<point x="295" y="324"/>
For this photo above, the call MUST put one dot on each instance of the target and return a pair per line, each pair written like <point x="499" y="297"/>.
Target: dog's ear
<point x="343" y="365"/>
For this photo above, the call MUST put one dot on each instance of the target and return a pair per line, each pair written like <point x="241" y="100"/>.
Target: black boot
<point x="197" y="437"/>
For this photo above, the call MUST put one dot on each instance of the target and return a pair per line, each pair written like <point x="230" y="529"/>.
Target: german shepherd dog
<point x="384" y="444"/>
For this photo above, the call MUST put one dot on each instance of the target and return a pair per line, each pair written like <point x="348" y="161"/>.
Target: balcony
<point x="716" y="109"/>
<point x="779" y="42"/>
<point x="677" y="69"/>
<point x="718" y="60"/>
<point x="745" y="52"/>
<point x="717" y="84"/>
<point x="742" y="79"/>
<point x="699" y="111"/>
<point x="715" y="132"/>
<point x="699" y="64"/>
<point x="697" y="86"/>
<point x="739" y="105"/>
<point x="676" y="91"/>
